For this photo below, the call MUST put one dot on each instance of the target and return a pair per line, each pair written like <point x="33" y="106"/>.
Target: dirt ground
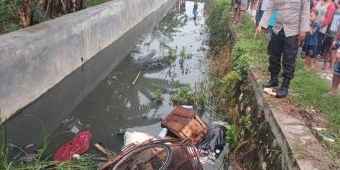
<point x="308" y="114"/>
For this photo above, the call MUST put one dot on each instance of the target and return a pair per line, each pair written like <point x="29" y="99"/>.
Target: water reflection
<point x="117" y="104"/>
<point x="194" y="11"/>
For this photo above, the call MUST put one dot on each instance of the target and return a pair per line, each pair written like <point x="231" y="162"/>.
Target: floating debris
<point x="181" y="130"/>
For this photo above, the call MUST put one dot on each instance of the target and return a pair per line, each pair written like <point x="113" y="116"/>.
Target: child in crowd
<point x="311" y="43"/>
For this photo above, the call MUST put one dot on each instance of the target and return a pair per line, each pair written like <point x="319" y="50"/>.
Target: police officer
<point x="292" y="23"/>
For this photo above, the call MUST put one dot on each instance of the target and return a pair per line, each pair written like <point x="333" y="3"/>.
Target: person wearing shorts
<point x="328" y="46"/>
<point x="240" y="6"/>
<point x="336" y="75"/>
<point x="336" y="69"/>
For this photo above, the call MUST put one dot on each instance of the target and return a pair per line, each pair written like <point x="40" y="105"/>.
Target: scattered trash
<point x="319" y="129"/>
<point x="76" y="156"/>
<point x="214" y="140"/>
<point x="148" y="155"/>
<point x="136" y="138"/>
<point x="188" y="144"/>
<point x="326" y="136"/>
<point x="78" y="145"/>
<point x="185" y="157"/>
<point x="185" y="123"/>
<point x="328" y="139"/>
<point x="163" y="133"/>
<point x="28" y="158"/>
<point x="103" y="150"/>
<point x="269" y="91"/>
<point x="187" y="106"/>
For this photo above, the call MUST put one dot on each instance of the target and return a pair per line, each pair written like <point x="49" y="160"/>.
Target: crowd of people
<point x="309" y="25"/>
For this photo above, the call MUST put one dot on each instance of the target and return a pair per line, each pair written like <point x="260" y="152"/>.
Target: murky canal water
<point x="116" y="104"/>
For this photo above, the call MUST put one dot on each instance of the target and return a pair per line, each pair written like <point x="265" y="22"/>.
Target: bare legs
<point x="329" y="60"/>
<point x="240" y="17"/>
<point x="235" y="14"/>
<point x="335" y="84"/>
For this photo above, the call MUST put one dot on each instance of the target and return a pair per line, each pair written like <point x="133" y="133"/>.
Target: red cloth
<point x="78" y="145"/>
<point x="329" y="14"/>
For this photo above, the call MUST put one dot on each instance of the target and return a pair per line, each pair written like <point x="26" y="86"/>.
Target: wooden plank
<point x="189" y="113"/>
<point x="186" y="123"/>
<point x="172" y="118"/>
<point x="174" y="126"/>
<point x="201" y="122"/>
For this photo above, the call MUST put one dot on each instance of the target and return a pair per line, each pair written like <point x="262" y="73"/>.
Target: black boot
<point x="283" y="91"/>
<point x="273" y="82"/>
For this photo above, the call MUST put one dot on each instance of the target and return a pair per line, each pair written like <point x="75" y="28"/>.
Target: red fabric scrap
<point x="78" y="145"/>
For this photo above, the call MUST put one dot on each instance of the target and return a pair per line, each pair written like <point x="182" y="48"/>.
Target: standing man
<point x="292" y="23"/>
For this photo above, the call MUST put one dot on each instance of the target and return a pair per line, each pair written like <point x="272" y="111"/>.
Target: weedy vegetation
<point x="250" y="53"/>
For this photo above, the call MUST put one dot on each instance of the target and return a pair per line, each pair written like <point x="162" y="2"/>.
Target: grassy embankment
<point x="249" y="52"/>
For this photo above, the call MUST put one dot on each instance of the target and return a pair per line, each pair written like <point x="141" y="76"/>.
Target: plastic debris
<point x="187" y="106"/>
<point x="214" y="140"/>
<point x="319" y="129"/>
<point x="163" y="133"/>
<point x="77" y="146"/>
<point x="269" y="91"/>
<point x="136" y="138"/>
<point x="191" y="141"/>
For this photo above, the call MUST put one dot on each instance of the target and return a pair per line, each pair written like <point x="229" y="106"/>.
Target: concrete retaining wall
<point x="34" y="59"/>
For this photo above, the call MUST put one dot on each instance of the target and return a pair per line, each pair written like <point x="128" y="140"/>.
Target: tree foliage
<point x="15" y="14"/>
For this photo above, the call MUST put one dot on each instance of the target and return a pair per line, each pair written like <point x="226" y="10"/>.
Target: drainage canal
<point x="125" y="98"/>
<point x="115" y="92"/>
<point x="171" y="57"/>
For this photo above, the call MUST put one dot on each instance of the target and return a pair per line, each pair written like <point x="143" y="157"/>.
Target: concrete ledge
<point x="34" y="59"/>
<point x="300" y="149"/>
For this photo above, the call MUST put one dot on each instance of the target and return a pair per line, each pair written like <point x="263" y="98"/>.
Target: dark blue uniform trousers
<point x="287" y="47"/>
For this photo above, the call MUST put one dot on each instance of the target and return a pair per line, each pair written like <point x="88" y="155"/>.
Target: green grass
<point x="249" y="51"/>
<point x="42" y="162"/>
<point x="307" y="87"/>
<point x="96" y="2"/>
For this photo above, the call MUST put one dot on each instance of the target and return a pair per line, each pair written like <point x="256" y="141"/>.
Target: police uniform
<point x="292" y="17"/>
